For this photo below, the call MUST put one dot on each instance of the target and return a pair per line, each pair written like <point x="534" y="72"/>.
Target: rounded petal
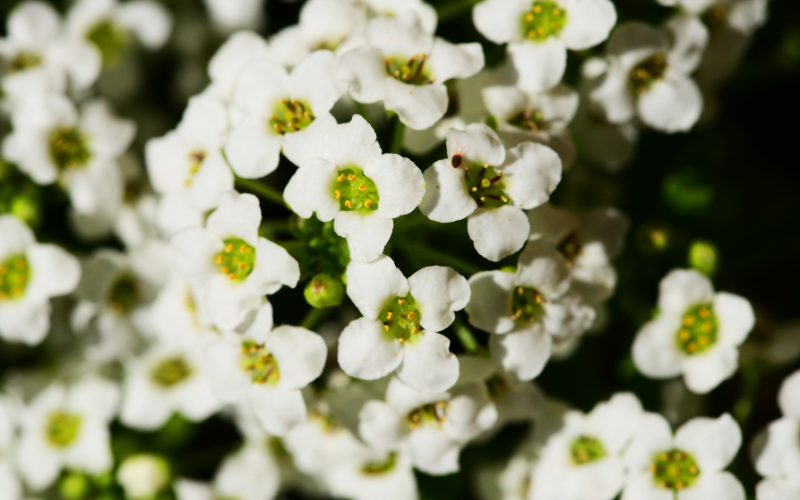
<point x="690" y="37"/>
<point x="238" y="216"/>
<point x="54" y="271"/>
<point x="498" y="232"/>
<point x="532" y="173"/>
<point x="504" y="102"/>
<point x="489" y="307"/>
<point x="655" y="351"/>
<point x="194" y="251"/>
<point x="428" y="365"/>
<point x="228" y="304"/>
<point x="681" y="289"/>
<point x="522" y="353"/>
<point x="352" y="143"/>
<point x="252" y="151"/>
<point x="789" y="396"/>
<point x="499" y="20"/>
<point x="261" y="85"/>
<point x="448" y="60"/>
<point x="713" y="442"/>
<point x="300" y="354"/>
<point x="672" y="105"/>
<point x="589" y="23"/>
<point x="735" y="316"/>
<point x="640" y="486"/>
<point x="367" y="352"/>
<point x="540" y="64"/>
<point x="778" y="489"/>
<point x="311" y="190"/>
<point x="370" y="285"/>
<point x="418" y="106"/>
<point x="654" y="436"/>
<point x="446" y="197"/>
<point x="718" y="485"/>
<point x="439" y="292"/>
<point x="400" y="185"/>
<point x="277" y="409"/>
<point x="703" y="372"/>
<point x="309" y="142"/>
<point x="366" y="234"/>
<point x="380" y="425"/>
<point x="364" y="69"/>
<point x="314" y="80"/>
<point x="432" y="452"/>
<point x="274" y="268"/>
<point x="478" y="143"/>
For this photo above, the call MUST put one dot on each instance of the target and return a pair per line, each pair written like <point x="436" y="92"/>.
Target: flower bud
<point x="703" y="257"/>
<point x="143" y="476"/>
<point x="324" y="291"/>
<point x="74" y="487"/>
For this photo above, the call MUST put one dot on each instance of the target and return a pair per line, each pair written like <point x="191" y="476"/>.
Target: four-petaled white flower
<point x="400" y="324"/>
<point x="480" y="180"/>
<point x="697" y="332"/>
<point x="229" y="259"/>
<point x="360" y="189"/>
<point x="539" y="32"/>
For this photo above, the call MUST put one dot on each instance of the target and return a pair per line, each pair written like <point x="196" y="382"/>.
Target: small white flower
<point x="30" y="274"/>
<point x="52" y="142"/>
<point x="584" y="459"/>
<point x="697" y="332"/>
<point x="10" y="485"/>
<point x="779" y="460"/>
<point x="267" y="368"/>
<point x="406" y="68"/>
<point x="539" y="32"/>
<point x="410" y="11"/>
<point x="228" y="258"/>
<point x="238" y="51"/>
<point x="67" y="427"/>
<point x="231" y="15"/>
<point x="587" y="242"/>
<point x="167" y="379"/>
<point x="282" y="111"/>
<point x="187" y="167"/>
<point x="433" y="427"/>
<point x="401" y="318"/>
<point x="744" y="16"/>
<point x="373" y="474"/>
<point x="37" y="57"/>
<point x="649" y="74"/>
<point x="360" y="189"/>
<point x="684" y="467"/>
<point x="179" y="316"/>
<point x="490" y="186"/>
<point x="527" y="309"/>
<point x="322" y="442"/>
<point x="143" y="476"/>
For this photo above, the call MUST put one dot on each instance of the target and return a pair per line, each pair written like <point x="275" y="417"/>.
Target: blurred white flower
<point x="779" y="460"/>
<point x="143" y="476"/>
<point x="239" y="50"/>
<point x="230" y="15"/>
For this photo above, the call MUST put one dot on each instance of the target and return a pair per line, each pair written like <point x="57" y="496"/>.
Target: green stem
<point x="466" y="337"/>
<point x="422" y="251"/>
<point x="397" y="137"/>
<point x="264" y="191"/>
<point x="453" y="9"/>
<point x="315" y="317"/>
<point x="751" y="375"/>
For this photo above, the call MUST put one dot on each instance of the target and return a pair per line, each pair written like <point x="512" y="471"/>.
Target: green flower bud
<point x="703" y="257"/>
<point x="74" y="487"/>
<point x="324" y="291"/>
<point x="26" y="208"/>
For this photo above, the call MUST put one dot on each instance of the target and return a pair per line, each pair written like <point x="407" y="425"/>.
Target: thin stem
<point x="466" y="337"/>
<point x="397" y="137"/>
<point x="264" y="191"/>
<point x="453" y="9"/>
<point x="422" y="251"/>
<point x="316" y="316"/>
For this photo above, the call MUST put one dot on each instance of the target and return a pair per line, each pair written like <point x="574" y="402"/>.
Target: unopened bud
<point x="143" y="476"/>
<point x="74" y="487"/>
<point x="703" y="257"/>
<point x="324" y="291"/>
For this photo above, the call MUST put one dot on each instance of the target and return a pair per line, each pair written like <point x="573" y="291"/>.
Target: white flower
<point x="30" y="274"/>
<point x="247" y="474"/>
<point x="231" y="15"/>
<point x="480" y="180"/>
<point x="230" y="260"/>
<point x="697" y="332"/>
<point x="684" y="467"/>
<point x="527" y="309"/>
<point x="67" y="427"/>
<point x="179" y="316"/>
<point x="406" y="68"/>
<point x="779" y="460"/>
<point x="239" y="50"/>
<point x="433" y="427"/>
<point x="385" y="475"/>
<point x="744" y="16"/>
<point x="187" y="166"/>
<point x="52" y="142"/>
<point x="401" y="318"/>
<point x="360" y="189"/>
<point x="584" y="459"/>
<point x="282" y="111"/>
<point x="38" y="58"/>
<point x="10" y="486"/>
<point x="649" y="74"/>
<point x="267" y="368"/>
<point x="539" y="117"/>
<point x="167" y="379"/>
<point x="539" y="33"/>
<point x="143" y="476"/>
<point x="587" y="242"/>
<point x="321" y="443"/>
<point x="107" y="25"/>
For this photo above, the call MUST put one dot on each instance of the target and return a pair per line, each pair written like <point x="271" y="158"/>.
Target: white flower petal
<point x="722" y="485"/>
<point x="500" y="20"/>
<point x="489" y="307"/>
<point x="54" y="271"/>
<point x="300" y="354"/>
<point x="371" y="285"/>
<point x="789" y="396"/>
<point x="681" y="289"/>
<point x="417" y="106"/>
<point x="150" y="21"/>
<point x="194" y="251"/>
<point x="400" y="185"/>
<point x="690" y="38"/>
<point x="432" y="452"/>
<point x="735" y="318"/>
<point x="314" y="79"/>
<point x="366" y="234"/>
<point x="478" y="143"/>
<point x="532" y="173"/>
<point x="364" y="68"/>
<point x="238" y="216"/>
<point x="640" y="486"/>
<point x="448" y="60"/>
<point x="352" y="143"/>
<point x="252" y="150"/>
<point x="439" y="292"/>
<point x="655" y="350"/>
<point x="498" y="232"/>
<point x="589" y="23"/>
<point x="540" y="64"/>
<point x="713" y="442"/>
<point x="274" y="268"/>
<point x="311" y="190"/>
<point x="277" y="409"/>
<point x="446" y="197"/>
<point x="703" y="372"/>
<point x="428" y="365"/>
<point x="671" y="105"/>
<point x="309" y="142"/>
<point x="261" y="85"/>
<point x="523" y="353"/>
<point x="541" y="267"/>
<point x="380" y="426"/>
<point x="366" y="351"/>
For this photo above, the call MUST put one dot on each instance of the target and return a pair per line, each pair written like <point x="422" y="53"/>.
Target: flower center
<point x="545" y="19"/>
<point x="24" y="60"/>
<point x="196" y="159"/>
<point x="290" y="115"/>
<point x="570" y="247"/>
<point x="380" y="467"/>
<point x="675" y="470"/>
<point x="14" y="276"/>
<point x="62" y="428"/>
<point x="237" y="259"/>
<point x="259" y="363"/>
<point x="528" y="305"/>
<point x="485" y="185"/>
<point x="124" y="294"/>
<point x="400" y="318"/>
<point x="355" y="191"/>
<point x="586" y="449"/>
<point x="171" y="371"/>
<point x="497" y="385"/>
<point x="69" y="147"/>
<point x="433" y="414"/>
<point x="410" y="70"/>
<point x="529" y="119"/>
<point x="110" y="38"/>
<point x="698" y="330"/>
<point x="715" y="16"/>
<point x="648" y="72"/>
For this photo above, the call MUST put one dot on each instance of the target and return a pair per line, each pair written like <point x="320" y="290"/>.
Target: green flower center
<point x="110" y="38"/>
<point x="528" y="305"/>
<point x="410" y="70"/>
<point x="497" y="385"/>
<point x="124" y="294"/>
<point x="14" y="276"/>
<point x="290" y="115"/>
<point x="237" y="259"/>
<point x="259" y="363"/>
<point x="570" y="247"/>
<point x="355" y="191"/>
<point x="380" y="467"/>
<point x="529" y="119"/>
<point x="486" y="186"/>
<point x="715" y="16"/>
<point x="545" y="19"/>
<point x="674" y="470"/>
<point x="648" y="72"/>
<point x="171" y="371"/>
<point x="24" y="60"/>
<point x="400" y="318"/>
<point x="62" y="428"/>
<point x="698" y="330"/>
<point x="69" y="147"/>
<point x="586" y="449"/>
<point x="433" y="414"/>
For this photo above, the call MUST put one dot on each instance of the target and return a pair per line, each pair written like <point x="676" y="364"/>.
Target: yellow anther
<point x="680" y="485"/>
<point x="341" y="178"/>
<point x="348" y="204"/>
<point x="664" y="456"/>
<point x="351" y="177"/>
<point x="242" y="265"/>
<point x="386" y="327"/>
<point x="529" y="17"/>
<point x="474" y="189"/>
<point x="556" y="11"/>
<point x="554" y="25"/>
<point x="704" y="312"/>
<point x="389" y="315"/>
<point x="224" y="270"/>
<point x="362" y="187"/>
<point x="691" y="347"/>
<point x="541" y="31"/>
<point x="401" y="301"/>
<point x="702" y="341"/>
<point x="402" y="340"/>
<point x="243" y="249"/>
<point x="684" y="334"/>
<point x="537" y="9"/>
<point x="693" y="469"/>
<point x="532" y="34"/>
<point x="229" y="247"/>
<point x="503" y="199"/>
<point x="520" y="291"/>
<point x="708" y="326"/>
<point x="232" y="277"/>
<point x="483" y="199"/>
<point x="368" y="203"/>
<point x="688" y="320"/>
<point x="411" y="315"/>
<point x="219" y="259"/>
<point x="338" y="194"/>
